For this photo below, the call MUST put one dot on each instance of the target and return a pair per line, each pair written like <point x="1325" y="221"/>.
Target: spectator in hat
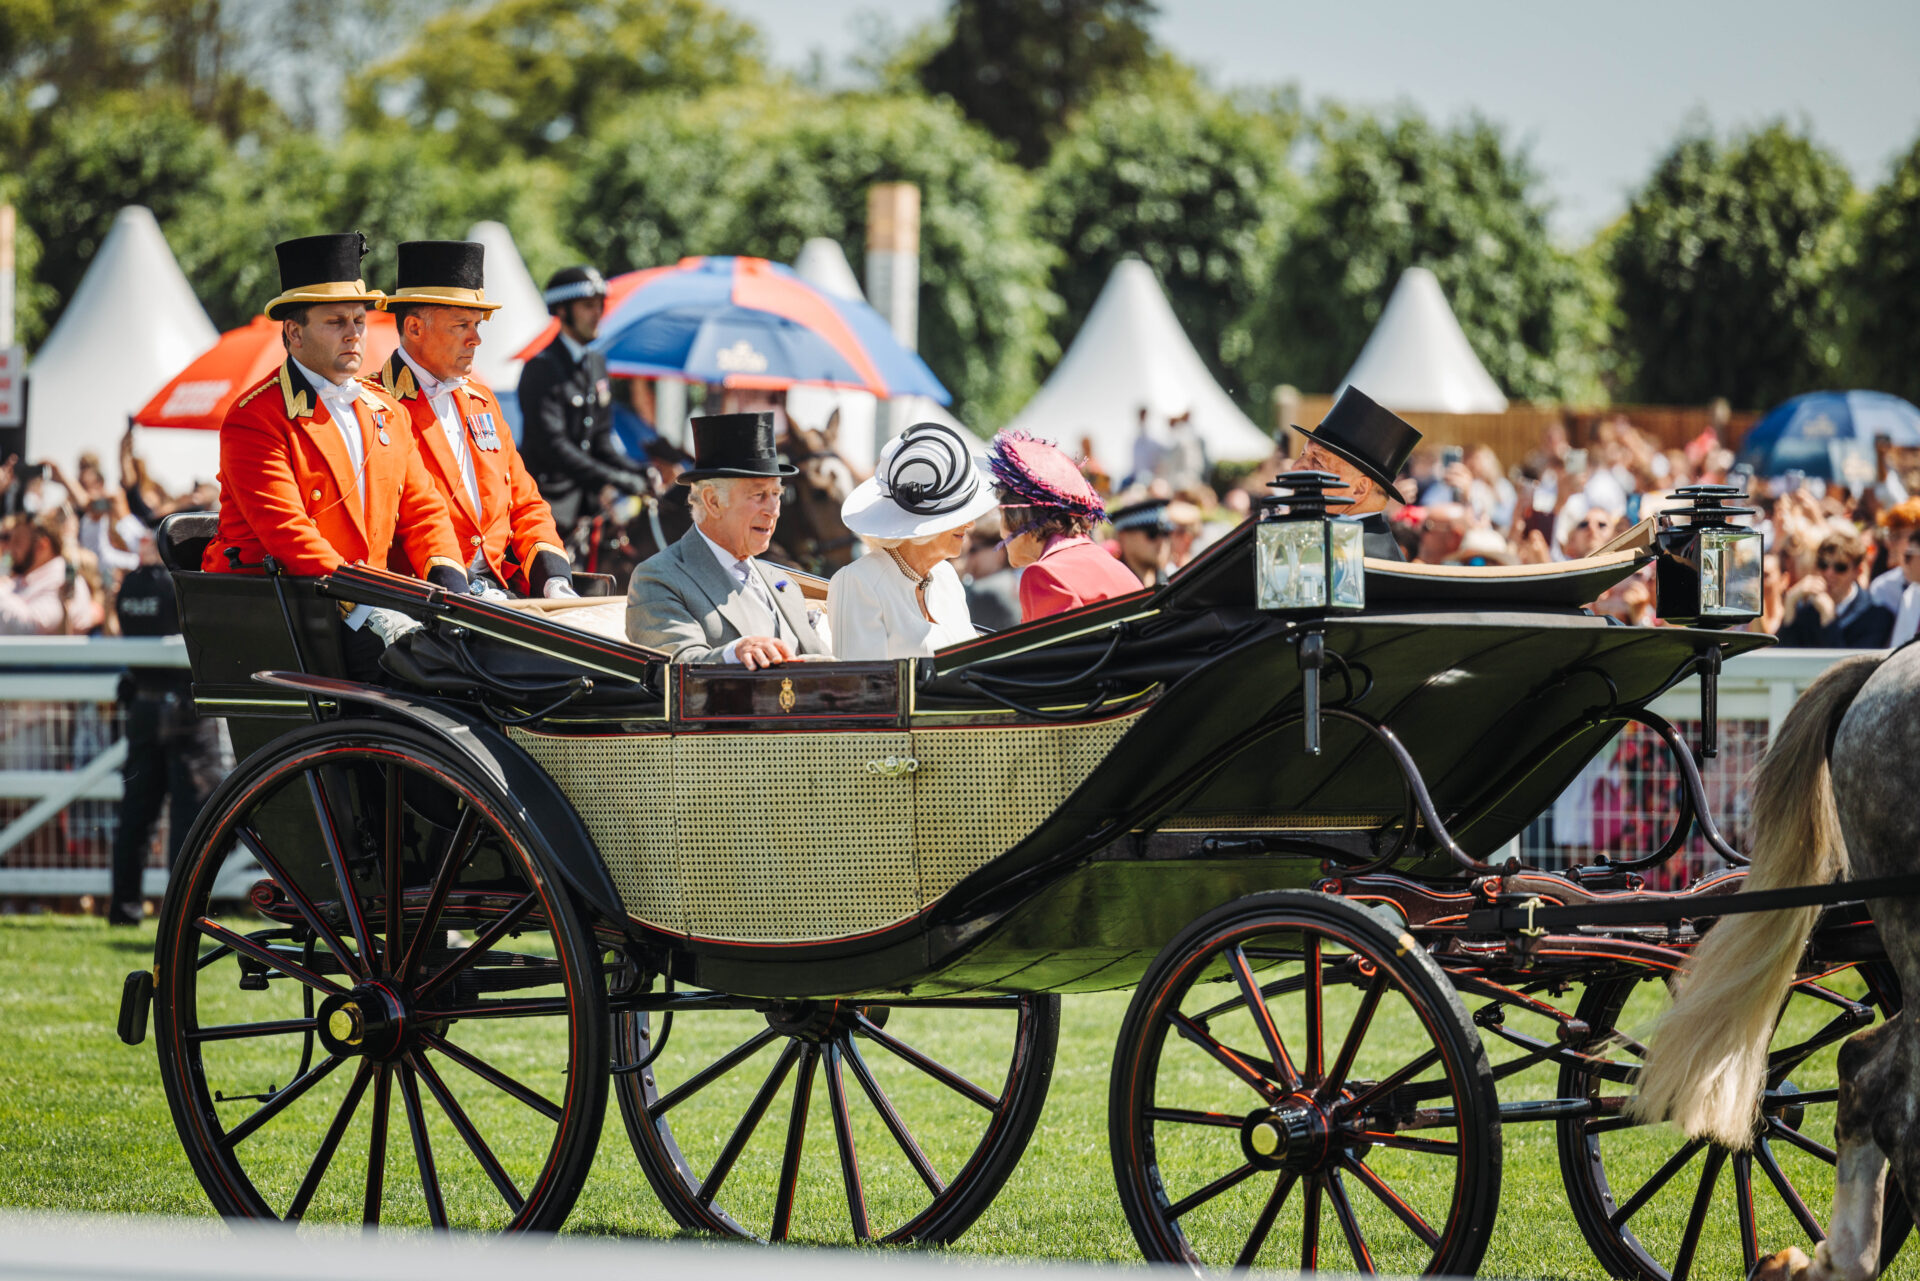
<point x="916" y="513"/>
<point x="1365" y="446"/>
<point x="566" y="406"/>
<point x="499" y="518"/>
<point x="709" y="598"/>
<point x="1143" y="539"/>
<point x="1048" y="510"/>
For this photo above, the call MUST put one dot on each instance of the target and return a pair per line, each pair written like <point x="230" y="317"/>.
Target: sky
<point x="1595" y="91"/>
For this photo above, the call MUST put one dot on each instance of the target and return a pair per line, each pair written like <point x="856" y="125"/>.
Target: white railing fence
<point x="62" y="746"/>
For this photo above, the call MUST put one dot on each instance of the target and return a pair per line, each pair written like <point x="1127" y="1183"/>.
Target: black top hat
<point x="735" y="445"/>
<point x="1148" y="514"/>
<point x="570" y="283"/>
<point x="1376" y="440"/>
<point x="315" y="269"/>
<point x="444" y="273"/>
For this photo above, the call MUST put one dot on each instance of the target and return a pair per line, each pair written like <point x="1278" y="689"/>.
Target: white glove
<point x="557" y="586"/>
<point x="390" y="624"/>
<point x="493" y="594"/>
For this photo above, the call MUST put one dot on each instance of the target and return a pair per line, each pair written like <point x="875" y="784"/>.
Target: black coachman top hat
<point x="442" y="273"/>
<point x="316" y="269"/>
<point x="735" y="446"/>
<point x="570" y="283"/>
<point x="1376" y="440"/>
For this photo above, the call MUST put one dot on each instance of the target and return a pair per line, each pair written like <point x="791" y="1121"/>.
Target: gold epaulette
<point x="251" y="396"/>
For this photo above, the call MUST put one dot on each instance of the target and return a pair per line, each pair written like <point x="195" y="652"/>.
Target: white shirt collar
<point x="334" y="395"/>
<point x="728" y="561"/>
<point x="574" y="349"/>
<point x="430" y="386"/>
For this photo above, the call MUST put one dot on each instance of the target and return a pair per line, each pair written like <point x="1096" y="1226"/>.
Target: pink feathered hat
<point x="1039" y="473"/>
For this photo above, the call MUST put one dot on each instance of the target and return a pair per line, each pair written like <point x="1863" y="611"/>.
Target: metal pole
<point x="893" y="275"/>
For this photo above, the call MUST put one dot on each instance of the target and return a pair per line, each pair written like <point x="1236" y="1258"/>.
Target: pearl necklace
<point x="919" y="582"/>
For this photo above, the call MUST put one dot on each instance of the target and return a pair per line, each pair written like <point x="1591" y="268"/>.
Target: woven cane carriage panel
<point x="981" y="791"/>
<point x="789" y="837"/>
<point x="622" y="789"/>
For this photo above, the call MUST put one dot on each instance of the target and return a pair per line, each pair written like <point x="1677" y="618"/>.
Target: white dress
<point x="874" y="615"/>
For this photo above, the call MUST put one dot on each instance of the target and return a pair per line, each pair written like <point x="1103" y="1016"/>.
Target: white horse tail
<point x="1707" y="1058"/>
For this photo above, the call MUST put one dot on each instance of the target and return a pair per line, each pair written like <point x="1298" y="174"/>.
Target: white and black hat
<point x="926" y="483"/>
<point x="569" y="283"/>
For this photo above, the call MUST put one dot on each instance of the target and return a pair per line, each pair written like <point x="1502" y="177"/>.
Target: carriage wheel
<point x="929" y="1104"/>
<point x="1657" y="1207"/>
<point x="407" y="1023"/>
<point x="1297" y="1086"/>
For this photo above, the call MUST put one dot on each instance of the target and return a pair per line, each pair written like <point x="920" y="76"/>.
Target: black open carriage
<point x="553" y="863"/>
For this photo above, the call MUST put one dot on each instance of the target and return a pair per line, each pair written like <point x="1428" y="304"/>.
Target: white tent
<point x="1418" y="360"/>
<point x="1131" y="354"/>
<point x="521" y="317"/>
<point x="132" y="324"/>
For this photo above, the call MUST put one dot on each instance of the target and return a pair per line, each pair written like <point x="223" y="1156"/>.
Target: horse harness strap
<point x="1528" y="915"/>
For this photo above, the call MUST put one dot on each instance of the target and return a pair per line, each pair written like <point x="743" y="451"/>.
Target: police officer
<point x="173" y="753"/>
<point x="566" y="406"/>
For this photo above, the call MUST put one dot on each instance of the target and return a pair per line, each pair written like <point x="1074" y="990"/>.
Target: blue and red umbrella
<point x="748" y="322"/>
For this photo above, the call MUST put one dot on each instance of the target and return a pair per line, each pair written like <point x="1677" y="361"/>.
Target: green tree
<point x="1194" y="184"/>
<point x="1725" y="262"/>
<point x="760" y="171"/>
<point x="532" y="74"/>
<point x="1386" y="194"/>
<point x="1883" y="286"/>
<point x="1021" y="67"/>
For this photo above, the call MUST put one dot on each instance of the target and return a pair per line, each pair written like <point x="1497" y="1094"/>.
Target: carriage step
<point x="136" y="998"/>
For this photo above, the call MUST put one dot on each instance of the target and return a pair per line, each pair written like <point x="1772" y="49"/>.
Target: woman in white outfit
<point x="903" y="599"/>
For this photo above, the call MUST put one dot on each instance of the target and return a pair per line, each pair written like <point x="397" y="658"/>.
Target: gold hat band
<point x="440" y="296"/>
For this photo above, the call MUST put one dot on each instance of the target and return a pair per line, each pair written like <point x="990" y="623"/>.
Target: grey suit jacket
<point x="682" y="602"/>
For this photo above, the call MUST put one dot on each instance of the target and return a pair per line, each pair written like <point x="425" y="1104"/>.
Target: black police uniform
<point x="567" y="442"/>
<point x="172" y="752"/>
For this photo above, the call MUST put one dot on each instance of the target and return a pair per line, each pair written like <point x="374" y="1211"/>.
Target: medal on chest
<point x="380" y="427"/>
<point x="485" y="434"/>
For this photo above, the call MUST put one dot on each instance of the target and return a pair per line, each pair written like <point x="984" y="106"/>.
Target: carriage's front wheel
<point x="1297" y="1086"/>
<point x="407" y="1023"/>
<point x="929" y="1105"/>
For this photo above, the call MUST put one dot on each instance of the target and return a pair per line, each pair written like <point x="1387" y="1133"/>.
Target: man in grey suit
<point x="706" y="599"/>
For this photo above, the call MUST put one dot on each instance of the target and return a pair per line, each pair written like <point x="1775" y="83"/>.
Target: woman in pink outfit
<point x="1047" y="511"/>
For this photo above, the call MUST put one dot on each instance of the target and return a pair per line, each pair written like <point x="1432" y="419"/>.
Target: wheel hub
<point x="821" y="1021"/>
<point x="371" y="1020"/>
<point x="1296" y="1134"/>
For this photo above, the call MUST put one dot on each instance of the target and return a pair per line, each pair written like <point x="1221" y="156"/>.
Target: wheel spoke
<point x="1392" y="1200"/>
<point x="482" y="944"/>
<point x="267" y="956"/>
<point x="1310" y="1229"/>
<point x="1350" y="1046"/>
<point x="1316" y="1012"/>
<point x="749" y="1120"/>
<point x="236" y="1031"/>
<point x="329" y="1143"/>
<point x="1279" y="987"/>
<point x="796" y="1140"/>
<point x="377" y="1145"/>
<point x="1781" y="1130"/>
<point x="1231" y="1060"/>
<point x="1193" y="1200"/>
<point x="891" y="1116"/>
<point x="1349" y="1223"/>
<point x="1262" y="1018"/>
<point x="298" y="897"/>
<point x="1743" y="1205"/>
<point x="1264" y="1224"/>
<point x="459" y="844"/>
<point x="342" y="875"/>
<point x="1697" y="1217"/>
<point x="1188" y="1116"/>
<point x="281" y="1099"/>
<point x="396" y="830"/>
<point x="1796" y="1205"/>
<point x="707" y="1075"/>
<point x="843" y="1140"/>
<point x="1387" y="1085"/>
<point x="465" y="1127"/>
<point x="932" y="1067"/>
<point x="495" y="1077"/>
<point x="422" y="1149"/>
<point x="1660" y="1178"/>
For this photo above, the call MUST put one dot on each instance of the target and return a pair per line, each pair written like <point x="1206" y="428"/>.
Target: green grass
<point x="84" y="1126"/>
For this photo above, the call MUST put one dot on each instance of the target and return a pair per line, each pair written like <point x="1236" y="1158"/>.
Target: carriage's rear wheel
<point x="929" y="1105"/>
<point x="1297" y="1086"/>
<point x="1657" y="1207"/>
<point x="407" y="1024"/>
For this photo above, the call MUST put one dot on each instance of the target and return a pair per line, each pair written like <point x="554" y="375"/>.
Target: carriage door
<point x="793" y="802"/>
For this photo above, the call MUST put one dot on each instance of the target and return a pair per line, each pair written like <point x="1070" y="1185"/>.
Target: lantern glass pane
<point x="1292" y="564"/>
<point x="1348" y="541"/>
<point x="1730" y="576"/>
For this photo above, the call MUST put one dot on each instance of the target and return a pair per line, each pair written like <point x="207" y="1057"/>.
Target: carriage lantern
<point x="1708" y="573"/>
<point x="1309" y="561"/>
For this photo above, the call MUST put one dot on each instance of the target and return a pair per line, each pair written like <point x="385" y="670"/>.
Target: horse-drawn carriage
<point x="545" y="864"/>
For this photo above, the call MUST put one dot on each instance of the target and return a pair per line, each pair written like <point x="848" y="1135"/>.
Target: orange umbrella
<point x="199" y="395"/>
<point x="617" y="290"/>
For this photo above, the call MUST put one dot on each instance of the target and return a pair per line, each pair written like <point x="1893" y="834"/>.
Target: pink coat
<point x="1072" y="572"/>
